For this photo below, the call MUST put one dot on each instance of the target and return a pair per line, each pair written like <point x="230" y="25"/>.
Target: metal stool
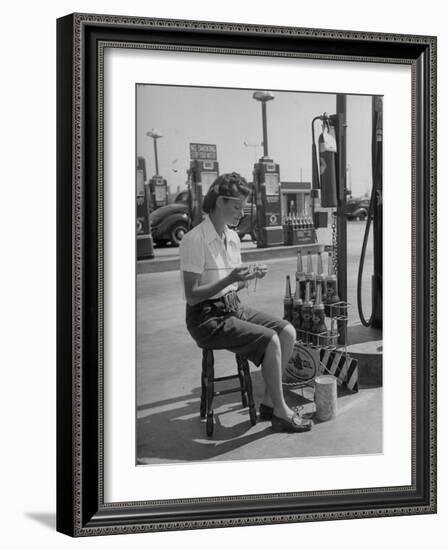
<point x="208" y="387"/>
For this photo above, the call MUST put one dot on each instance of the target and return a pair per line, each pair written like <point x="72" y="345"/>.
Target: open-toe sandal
<point x="295" y="424"/>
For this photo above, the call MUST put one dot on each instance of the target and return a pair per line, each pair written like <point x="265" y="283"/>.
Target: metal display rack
<point x="338" y="313"/>
<point x="313" y="343"/>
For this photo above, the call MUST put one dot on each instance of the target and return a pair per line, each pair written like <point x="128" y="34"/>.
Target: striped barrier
<point x="341" y="366"/>
<point x="307" y="362"/>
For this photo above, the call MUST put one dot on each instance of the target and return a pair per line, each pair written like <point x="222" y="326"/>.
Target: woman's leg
<point x="287" y="339"/>
<point x="271" y="369"/>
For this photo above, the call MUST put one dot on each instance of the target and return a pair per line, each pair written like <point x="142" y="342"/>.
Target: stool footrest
<point x="225" y="392"/>
<point x="223" y="378"/>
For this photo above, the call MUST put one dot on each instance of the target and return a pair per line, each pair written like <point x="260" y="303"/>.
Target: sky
<point x="231" y="119"/>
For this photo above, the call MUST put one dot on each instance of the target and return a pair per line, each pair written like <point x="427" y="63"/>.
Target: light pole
<point x="155" y="135"/>
<point x="263" y="97"/>
<point x="254" y="146"/>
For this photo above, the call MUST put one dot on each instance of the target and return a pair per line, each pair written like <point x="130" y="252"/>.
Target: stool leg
<point x="209" y="379"/>
<point x="203" y="384"/>
<point x="239" y="362"/>
<point x="250" y="396"/>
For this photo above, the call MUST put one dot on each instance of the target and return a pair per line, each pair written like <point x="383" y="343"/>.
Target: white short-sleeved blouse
<point x="203" y="251"/>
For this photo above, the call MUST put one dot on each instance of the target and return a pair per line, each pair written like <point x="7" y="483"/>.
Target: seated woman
<point x="212" y="273"/>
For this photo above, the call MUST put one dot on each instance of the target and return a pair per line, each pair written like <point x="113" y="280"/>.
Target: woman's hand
<point x="260" y="271"/>
<point x="241" y="274"/>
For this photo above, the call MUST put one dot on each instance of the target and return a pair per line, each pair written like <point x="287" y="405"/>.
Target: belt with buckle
<point x="230" y="301"/>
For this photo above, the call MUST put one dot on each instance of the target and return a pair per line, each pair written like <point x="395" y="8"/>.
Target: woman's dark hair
<point x="227" y="185"/>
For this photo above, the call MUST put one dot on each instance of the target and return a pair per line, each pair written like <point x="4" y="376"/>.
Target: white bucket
<point x="325" y="397"/>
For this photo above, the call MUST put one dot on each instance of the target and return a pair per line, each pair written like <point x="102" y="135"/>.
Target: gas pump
<point x="204" y="169"/>
<point x="267" y="187"/>
<point x="145" y="247"/>
<point x="158" y="189"/>
<point x="267" y="198"/>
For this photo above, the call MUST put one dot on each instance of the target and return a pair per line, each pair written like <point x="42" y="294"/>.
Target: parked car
<point x="357" y="208"/>
<point x="182" y="197"/>
<point x="170" y="223"/>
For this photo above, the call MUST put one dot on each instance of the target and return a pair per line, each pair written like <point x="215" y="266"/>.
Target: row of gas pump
<point x="278" y="213"/>
<point x="283" y="212"/>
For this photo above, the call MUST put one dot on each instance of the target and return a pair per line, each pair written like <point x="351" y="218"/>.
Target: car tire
<point x="177" y="232"/>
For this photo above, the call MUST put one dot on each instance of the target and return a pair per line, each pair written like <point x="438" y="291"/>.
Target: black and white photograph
<point x="259" y="246"/>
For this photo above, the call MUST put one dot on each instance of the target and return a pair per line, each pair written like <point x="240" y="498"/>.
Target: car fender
<point x="359" y="212"/>
<point x="164" y="227"/>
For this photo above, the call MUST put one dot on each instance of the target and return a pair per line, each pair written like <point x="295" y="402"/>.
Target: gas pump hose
<point x="362" y="258"/>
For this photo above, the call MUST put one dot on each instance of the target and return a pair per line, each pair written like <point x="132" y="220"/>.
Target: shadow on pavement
<point x="172" y="429"/>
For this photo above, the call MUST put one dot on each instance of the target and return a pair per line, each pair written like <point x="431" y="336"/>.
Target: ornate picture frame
<point x="81" y="506"/>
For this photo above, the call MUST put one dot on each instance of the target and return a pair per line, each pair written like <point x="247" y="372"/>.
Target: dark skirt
<point x="214" y="324"/>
